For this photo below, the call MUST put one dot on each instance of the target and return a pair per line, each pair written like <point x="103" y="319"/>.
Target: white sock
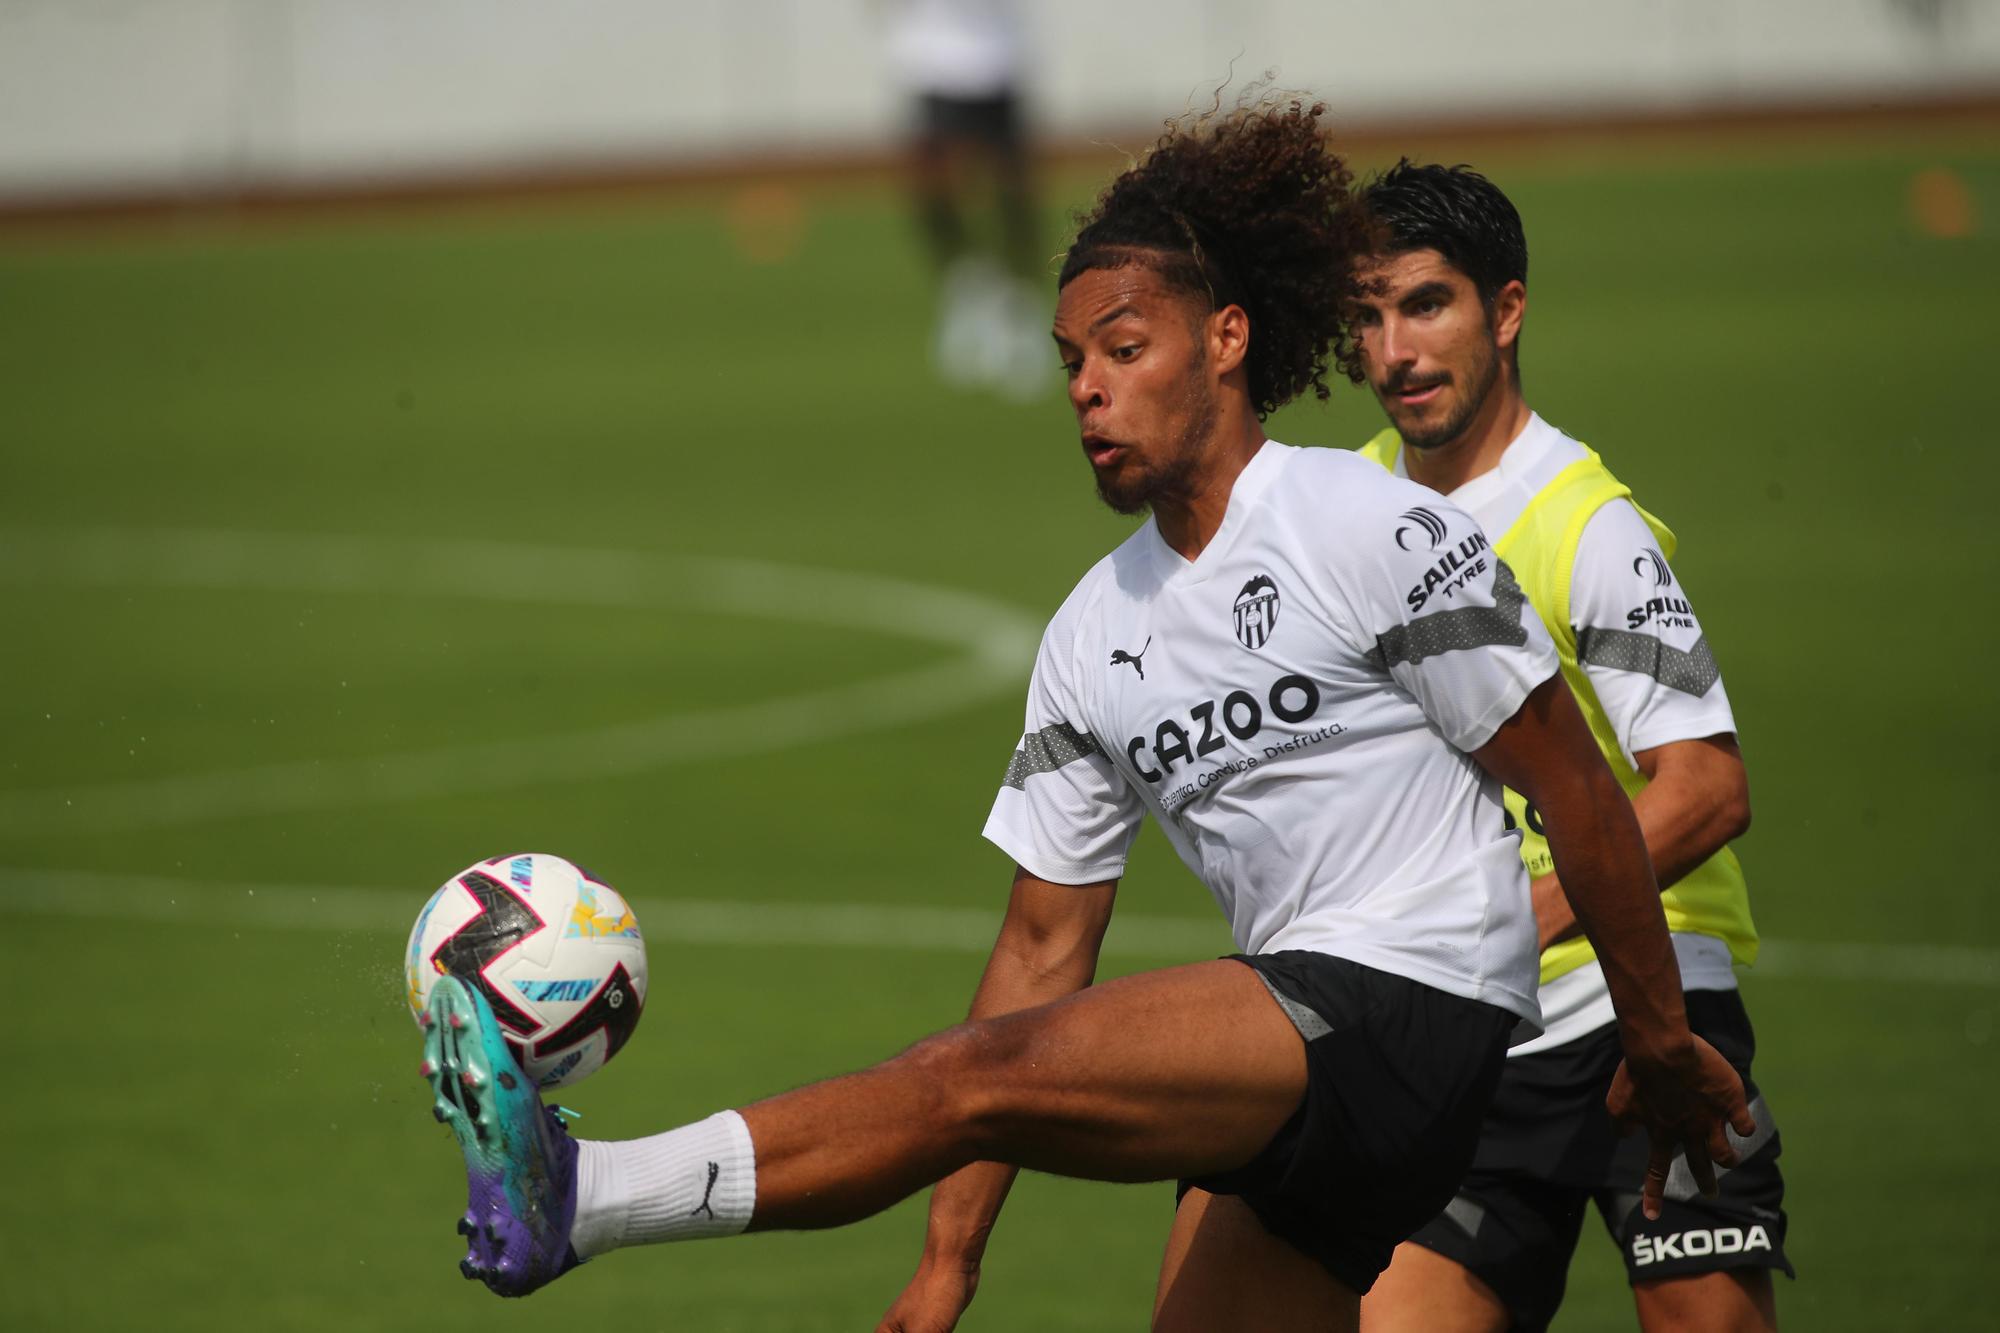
<point x="698" y="1180"/>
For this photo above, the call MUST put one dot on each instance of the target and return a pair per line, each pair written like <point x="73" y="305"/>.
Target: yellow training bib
<point x="1540" y="548"/>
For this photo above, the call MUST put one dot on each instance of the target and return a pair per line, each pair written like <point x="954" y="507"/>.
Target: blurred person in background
<point x="1435" y="333"/>
<point x="960" y="63"/>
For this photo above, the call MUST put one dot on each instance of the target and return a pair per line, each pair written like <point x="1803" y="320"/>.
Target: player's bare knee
<point x="974" y="1078"/>
<point x="954" y="1074"/>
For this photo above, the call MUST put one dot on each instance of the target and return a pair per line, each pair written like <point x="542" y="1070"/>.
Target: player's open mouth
<point x="1419" y="394"/>
<point x="1102" y="452"/>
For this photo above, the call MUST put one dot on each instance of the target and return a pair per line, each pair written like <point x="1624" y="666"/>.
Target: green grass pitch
<point x="214" y="1118"/>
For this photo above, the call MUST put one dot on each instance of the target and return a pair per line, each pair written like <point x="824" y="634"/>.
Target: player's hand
<point x="1685" y="1105"/>
<point x="934" y="1300"/>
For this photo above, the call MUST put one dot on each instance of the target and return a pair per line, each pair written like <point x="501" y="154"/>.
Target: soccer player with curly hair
<point x="1316" y="676"/>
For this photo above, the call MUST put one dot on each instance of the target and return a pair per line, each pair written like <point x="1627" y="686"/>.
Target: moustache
<point x="1403" y="383"/>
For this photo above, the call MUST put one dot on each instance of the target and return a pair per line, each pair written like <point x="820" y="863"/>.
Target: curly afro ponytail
<point x="1241" y="208"/>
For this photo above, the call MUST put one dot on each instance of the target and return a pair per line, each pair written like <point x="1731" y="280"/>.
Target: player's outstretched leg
<point x="520" y="1164"/>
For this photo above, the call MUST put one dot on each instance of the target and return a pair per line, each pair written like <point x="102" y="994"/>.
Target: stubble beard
<point x="1173" y="478"/>
<point x="1485" y="375"/>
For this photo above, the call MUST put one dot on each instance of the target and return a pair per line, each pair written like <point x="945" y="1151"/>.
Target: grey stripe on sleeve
<point x="1465" y="627"/>
<point x="1047" y="750"/>
<point x="1691" y="672"/>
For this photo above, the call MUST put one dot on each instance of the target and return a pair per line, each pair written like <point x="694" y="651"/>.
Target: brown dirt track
<point x="1366" y="142"/>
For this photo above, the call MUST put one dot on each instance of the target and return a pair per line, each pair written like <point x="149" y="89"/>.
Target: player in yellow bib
<point x="1436" y="334"/>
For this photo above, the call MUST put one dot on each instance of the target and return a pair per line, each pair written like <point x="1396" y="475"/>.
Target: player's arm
<point x="1696" y="801"/>
<point x="1067" y="816"/>
<point x="1047" y="948"/>
<point x="1546" y="753"/>
<point x="1674" y="1083"/>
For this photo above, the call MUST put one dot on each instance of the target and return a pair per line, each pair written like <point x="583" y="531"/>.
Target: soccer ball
<point x="555" y="951"/>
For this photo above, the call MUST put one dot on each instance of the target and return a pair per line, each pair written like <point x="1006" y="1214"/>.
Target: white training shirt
<point x="1620" y="586"/>
<point x="1295" y="706"/>
<point x="957" y="48"/>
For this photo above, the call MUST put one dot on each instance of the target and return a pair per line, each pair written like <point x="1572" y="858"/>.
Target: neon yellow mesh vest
<point x="1541" y="550"/>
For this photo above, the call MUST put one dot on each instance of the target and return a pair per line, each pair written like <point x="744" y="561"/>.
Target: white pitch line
<point x="63" y="893"/>
<point x="992" y="644"/>
<point x="832" y="925"/>
<point x="1834" y="960"/>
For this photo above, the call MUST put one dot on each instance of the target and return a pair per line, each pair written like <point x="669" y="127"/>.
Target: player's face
<point x="1429" y="345"/>
<point x="1140" y="381"/>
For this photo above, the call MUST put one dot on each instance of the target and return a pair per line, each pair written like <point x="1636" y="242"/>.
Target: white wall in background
<point x="194" y="94"/>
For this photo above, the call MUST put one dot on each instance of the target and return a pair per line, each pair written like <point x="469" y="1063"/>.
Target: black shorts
<point x="994" y="122"/>
<point x="1397" y="1078"/>
<point x="1549" y="1149"/>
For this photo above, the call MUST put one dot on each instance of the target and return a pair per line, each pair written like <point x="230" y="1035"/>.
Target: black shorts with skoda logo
<point x="1549" y="1150"/>
<point x="1398" y="1075"/>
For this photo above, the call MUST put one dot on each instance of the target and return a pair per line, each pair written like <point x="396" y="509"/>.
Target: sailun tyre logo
<point x="1420" y="525"/>
<point x="1651" y="562"/>
<point x="1256" y="611"/>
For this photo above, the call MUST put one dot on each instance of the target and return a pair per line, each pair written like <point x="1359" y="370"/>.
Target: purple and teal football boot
<point x="520" y="1163"/>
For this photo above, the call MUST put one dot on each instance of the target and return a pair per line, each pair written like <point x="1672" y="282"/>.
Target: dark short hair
<point x="1243" y="208"/>
<point x="1454" y="211"/>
